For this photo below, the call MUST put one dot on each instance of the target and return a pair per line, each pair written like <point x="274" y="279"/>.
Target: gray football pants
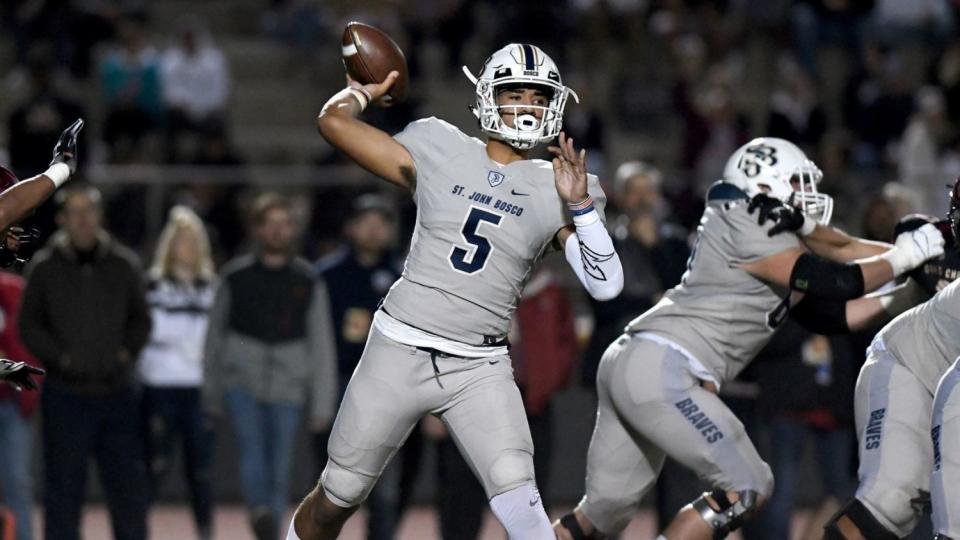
<point x="651" y="406"/>
<point x="395" y="385"/>
<point x="892" y="410"/>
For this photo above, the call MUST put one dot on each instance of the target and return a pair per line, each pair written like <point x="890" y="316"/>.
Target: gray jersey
<point x="719" y="313"/>
<point x="481" y="227"/>
<point x="926" y="339"/>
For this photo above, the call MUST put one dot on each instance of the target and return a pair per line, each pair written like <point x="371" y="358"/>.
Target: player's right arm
<point x="21" y="199"/>
<point x="373" y="149"/>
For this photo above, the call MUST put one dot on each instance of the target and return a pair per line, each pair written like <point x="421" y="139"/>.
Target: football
<point x="369" y="55"/>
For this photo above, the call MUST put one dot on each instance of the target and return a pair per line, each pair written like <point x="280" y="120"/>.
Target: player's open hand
<point x="569" y="170"/>
<point x="376" y="93"/>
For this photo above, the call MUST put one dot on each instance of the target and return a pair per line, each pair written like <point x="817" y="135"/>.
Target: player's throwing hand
<point x="375" y="93"/>
<point x="569" y="170"/>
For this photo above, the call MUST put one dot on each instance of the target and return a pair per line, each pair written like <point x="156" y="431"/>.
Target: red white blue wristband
<point x="583" y="207"/>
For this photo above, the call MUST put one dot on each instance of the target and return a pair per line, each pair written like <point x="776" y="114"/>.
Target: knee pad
<point x="511" y="469"/>
<point x="730" y="515"/>
<point x="862" y="518"/>
<point x="344" y="487"/>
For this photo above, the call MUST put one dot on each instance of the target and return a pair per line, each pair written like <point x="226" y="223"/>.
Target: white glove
<point x="912" y="248"/>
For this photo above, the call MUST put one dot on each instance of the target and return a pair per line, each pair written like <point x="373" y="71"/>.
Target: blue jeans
<point x="265" y="435"/>
<point x="787" y="441"/>
<point x="15" y="480"/>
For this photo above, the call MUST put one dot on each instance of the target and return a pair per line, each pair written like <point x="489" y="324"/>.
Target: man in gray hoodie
<point x="269" y="353"/>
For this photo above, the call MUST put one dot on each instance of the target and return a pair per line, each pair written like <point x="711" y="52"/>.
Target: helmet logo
<point x="755" y="157"/>
<point x="501" y="72"/>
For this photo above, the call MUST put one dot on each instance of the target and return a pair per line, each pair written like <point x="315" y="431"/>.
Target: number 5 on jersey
<point x="473" y="259"/>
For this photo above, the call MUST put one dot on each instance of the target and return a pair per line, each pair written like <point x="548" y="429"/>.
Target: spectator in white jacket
<point x="180" y="296"/>
<point x="196" y="86"/>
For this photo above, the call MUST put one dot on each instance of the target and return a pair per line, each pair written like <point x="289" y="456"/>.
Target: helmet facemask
<point x="528" y="131"/>
<point x="811" y="202"/>
<point x="953" y="215"/>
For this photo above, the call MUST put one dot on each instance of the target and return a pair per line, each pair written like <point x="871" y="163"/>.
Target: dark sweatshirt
<point x="84" y="315"/>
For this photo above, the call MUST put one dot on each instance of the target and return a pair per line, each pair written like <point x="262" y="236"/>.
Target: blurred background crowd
<point x="201" y="150"/>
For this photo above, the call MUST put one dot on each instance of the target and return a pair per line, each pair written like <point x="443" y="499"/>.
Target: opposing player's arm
<point x="17" y="201"/>
<point x="25" y="196"/>
<point x="834" y="316"/>
<point x="372" y="148"/>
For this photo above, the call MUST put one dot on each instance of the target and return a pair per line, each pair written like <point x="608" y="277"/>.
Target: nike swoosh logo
<point x="514" y="192"/>
<point x="494" y="362"/>
<point x="534" y="502"/>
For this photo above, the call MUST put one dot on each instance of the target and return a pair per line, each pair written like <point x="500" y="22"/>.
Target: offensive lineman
<point x="486" y="214"/>
<point x="893" y="400"/>
<point x="657" y="382"/>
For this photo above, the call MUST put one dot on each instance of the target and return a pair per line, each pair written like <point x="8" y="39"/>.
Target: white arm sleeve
<point x="591" y="255"/>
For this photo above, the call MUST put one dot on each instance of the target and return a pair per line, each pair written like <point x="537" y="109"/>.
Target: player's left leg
<point x="485" y="416"/>
<point x="622" y="465"/>
<point x="945" y="481"/>
<point x="724" y="457"/>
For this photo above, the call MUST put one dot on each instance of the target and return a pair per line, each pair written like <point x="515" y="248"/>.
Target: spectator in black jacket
<point x="85" y="317"/>
<point x="269" y="353"/>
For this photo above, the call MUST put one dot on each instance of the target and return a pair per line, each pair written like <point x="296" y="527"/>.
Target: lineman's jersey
<point x="926" y="338"/>
<point x="719" y="313"/>
<point x="481" y="227"/>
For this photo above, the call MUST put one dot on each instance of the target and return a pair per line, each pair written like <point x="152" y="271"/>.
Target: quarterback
<point x="656" y="383"/>
<point x="486" y="215"/>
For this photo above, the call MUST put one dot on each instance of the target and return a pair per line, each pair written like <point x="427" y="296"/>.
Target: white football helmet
<point x="524" y="65"/>
<point x="780" y="169"/>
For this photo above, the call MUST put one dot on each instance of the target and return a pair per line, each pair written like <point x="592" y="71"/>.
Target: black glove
<point x="66" y="149"/>
<point x="19" y="374"/>
<point x="19" y="246"/>
<point x="787" y="218"/>
<point x="29" y="243"/>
